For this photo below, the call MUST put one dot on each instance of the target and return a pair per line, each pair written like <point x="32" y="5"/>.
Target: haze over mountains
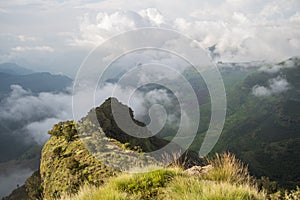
<point x="12" y="74"/>
<point x="14" y="69"/>
<point x="30" y="103"/>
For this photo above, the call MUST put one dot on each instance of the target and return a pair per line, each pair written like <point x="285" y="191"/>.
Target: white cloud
<point x="261" y="91"/>
<point x="24" y="38"/>
<point x="276" y="85"/>
<point x="242" y="30"/>
<point x="34" y="114"/>
<point x="39" y="129"/>
<point x="35" y="48"/>
<point x="106" y="25"/>
<point x="295" y="17"/>
<point x="269" y="68"/>
<point x="279" y="85"/>
<point x="153" y="15"/>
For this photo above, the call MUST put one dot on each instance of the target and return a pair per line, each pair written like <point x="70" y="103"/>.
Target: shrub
<point x="69" y="131"/>
<point x="66" y="129"/>
<point x="56" y="130"/>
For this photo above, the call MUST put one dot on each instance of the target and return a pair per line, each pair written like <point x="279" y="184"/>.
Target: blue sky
<point x="56" y="36"/>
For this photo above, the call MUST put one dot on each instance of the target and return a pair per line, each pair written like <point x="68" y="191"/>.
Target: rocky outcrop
<point x="198" y="170"/>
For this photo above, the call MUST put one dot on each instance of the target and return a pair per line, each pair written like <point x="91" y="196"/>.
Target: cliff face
<point x="106" y="117"/>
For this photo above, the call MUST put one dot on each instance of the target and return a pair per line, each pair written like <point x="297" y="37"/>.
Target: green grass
<point x="166" y="184"/>
<point x="129" y="186"/>
<point x="186" y="188"/>
<point x="228" y="179"/>
<point x="145" y="185"/>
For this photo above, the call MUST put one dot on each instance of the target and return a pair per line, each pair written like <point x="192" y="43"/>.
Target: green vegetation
<point x="66" y="163"/>
<point x="34" y="187"/>
<point x="227" y="179"/>
<point x="261" y="131"/>
<point x="174" y="183"/>
<point x="264" y="131"/>
<point x="192" y="188"/>
<point x="145" y="185"/>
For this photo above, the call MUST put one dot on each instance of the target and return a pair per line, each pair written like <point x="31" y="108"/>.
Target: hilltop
<point x="76" y="153"/>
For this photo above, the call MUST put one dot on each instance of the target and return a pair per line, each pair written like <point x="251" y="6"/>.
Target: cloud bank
<point x="276" y="86"/>
<point x="272" y="69"/>
<point x="239" y="30"/>
<point x="271" y="32"/>
<point x="23" y="111"/>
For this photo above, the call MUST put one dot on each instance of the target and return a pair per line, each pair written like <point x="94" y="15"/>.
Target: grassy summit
<point x="227" y="178"/>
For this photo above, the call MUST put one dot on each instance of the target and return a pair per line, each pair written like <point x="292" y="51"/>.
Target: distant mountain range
<point x="12" y="68"/>
<point x="12" y="74"/>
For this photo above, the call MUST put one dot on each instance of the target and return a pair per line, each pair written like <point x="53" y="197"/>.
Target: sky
<point x="56" y="36"/>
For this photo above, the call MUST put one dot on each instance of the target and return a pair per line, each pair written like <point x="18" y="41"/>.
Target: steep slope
<point x="264" y="131"/>
<point x="108" y="124"/>
<point x="66" y="163"/>
<point x="103" y="116"/>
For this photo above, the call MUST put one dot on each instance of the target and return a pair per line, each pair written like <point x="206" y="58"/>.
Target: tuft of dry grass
<point x="186" y="188"/>
<point x="89" y="192"/>
<point x="176" y="159"/>
<point x="293" y="195"/>
<point x="227" y="168"/>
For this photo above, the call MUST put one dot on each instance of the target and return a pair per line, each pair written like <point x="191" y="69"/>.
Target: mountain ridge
<point x="13" y="68"/>
<point x="68" y="159"/>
